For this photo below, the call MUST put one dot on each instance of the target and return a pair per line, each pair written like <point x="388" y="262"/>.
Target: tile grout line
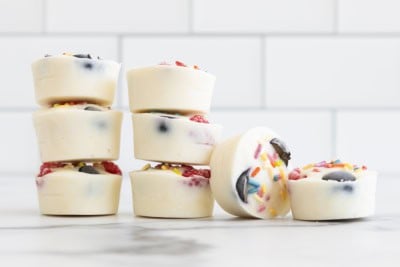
<point x="191" y="16"/>
<point x="205" y="34"/>
<point x="336" y="16"/>
<point x="334" y="134"/>
<point x="263" y="63"/>
<point x="44" y="16"/>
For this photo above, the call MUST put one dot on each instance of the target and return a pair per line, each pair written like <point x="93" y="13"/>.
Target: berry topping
<point x="111" y="167"/>
<point x="295" y="174"/>
<point x="88" y="169"/>
<point x="339" y="176"/>
<point x="47" y="167"/>
<point x="189" y="172"/>
<point x="180" y="64"/>
<point x="199" y="118"/>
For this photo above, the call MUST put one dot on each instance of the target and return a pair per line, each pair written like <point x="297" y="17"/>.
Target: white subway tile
<point x="307" y="134"/>
<point x="264" y="16"/>
<point x="20" y="52"/>
<point x="370" y="138"/>
<point x="21" y="15"/>
<point x="332" y="72"/>
<point x="369" y="16"/>
<point x="117" y="16"/>
<point x="19" y="151"/>
<point x="235" y="61"/>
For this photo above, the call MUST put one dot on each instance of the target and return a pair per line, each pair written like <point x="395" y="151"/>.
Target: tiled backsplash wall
<point x="325" y="74"/>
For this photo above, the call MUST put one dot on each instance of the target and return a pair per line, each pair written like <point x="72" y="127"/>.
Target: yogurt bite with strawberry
<point x="79" y="188"/>
<point x="333" y="190"/>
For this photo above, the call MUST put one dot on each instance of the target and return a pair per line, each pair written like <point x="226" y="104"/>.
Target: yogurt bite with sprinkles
<point x="249" y="174"/>
<point x="332" y="190"/>
<point x="79" y="188"/>
<point x="172" y="191"/>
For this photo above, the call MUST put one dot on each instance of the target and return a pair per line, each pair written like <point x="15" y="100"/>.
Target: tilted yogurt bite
<point x="174" y="138"/>
<point x="69" y="77"/>
<point x="79" y="188"/>
<point x="249" y="174"/>
<point x="172" y="191"/>
<point x="332" y="191"/>
<point x="78" y="131"/>
<point x="171" y="88"/>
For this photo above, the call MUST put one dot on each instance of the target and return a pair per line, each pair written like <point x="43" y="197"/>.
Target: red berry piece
<point x="111" y="167"/>
<point x="180" y="64"/>
<point x="47" y="167"/>
<point x="295" y="174"/>
<point x="199" y="118"/>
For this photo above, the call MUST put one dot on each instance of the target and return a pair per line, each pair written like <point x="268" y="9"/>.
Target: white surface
<point x="21" y="15"/>
<point x="369" y="15"/>
<point x="329" y="72"/>
<point x="264" y="15"/>
<point x="28" y="238"/>
<point x="117" y="16"/>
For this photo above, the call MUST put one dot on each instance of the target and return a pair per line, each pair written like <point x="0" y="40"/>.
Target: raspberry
<point x="199" y="118"/>
<point x="47" y="166"/>
<point x="180" y="64"/>
<point x="111" y="167"/>
<point x="190" y="171"/>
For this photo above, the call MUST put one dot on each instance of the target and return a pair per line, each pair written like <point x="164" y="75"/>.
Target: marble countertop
<point x="27" y="238"/>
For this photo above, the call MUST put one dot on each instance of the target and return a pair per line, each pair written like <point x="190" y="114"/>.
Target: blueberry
<point x="282" y="150"/>
<point x="348" y="188"/>
<point x="92" y="108"/>
<point x="88" y="65"/>
<point x="163" y="127"/>
<point x="83" y="56"/>
<point x="101" y="124"/>
<point x="168" y="117"/>
<point x="339" y="176"/>
<point x="242" y="185"/>
<point x="88" y="169"/>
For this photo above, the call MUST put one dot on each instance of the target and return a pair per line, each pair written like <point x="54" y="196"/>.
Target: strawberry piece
<point x="180" y="64"/>
<point x="111" y="167"/>
<point x="47" y="167"/>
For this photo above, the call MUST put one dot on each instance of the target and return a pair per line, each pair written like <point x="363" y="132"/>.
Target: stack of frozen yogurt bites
<point x="169" y="103"/>
<point x="78" y="135"/>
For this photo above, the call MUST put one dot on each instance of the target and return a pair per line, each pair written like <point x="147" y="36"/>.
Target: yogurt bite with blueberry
<point x="174" y="138"/>
<point x="78" y="131"/>
<point x="69" y="77"/>
<point x="79" y="188"/>
<point x="332" y="190"/>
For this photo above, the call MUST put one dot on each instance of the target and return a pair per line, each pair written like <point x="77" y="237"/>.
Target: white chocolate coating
<point x="172" y="138"/>
<point x="315" y="199"/>
<point x="67" y="78"/>
<point x="170" y="88"/>
<point x="68" y="192"/>
<point x="68" y="134"/>
<point x="165" y="194"/>
<point x="250" y="151"/>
